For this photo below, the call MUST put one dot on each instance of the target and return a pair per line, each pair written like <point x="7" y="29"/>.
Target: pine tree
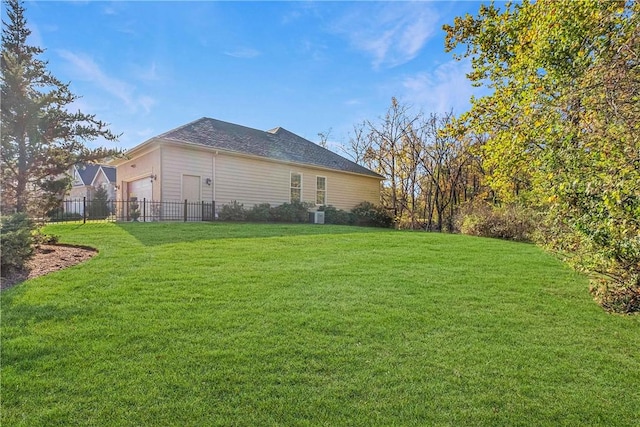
<point x="41" y="139"/>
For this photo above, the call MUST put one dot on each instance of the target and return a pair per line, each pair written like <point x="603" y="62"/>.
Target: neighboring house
<point x="86" y="179"/>
<point x="211" y="160"/>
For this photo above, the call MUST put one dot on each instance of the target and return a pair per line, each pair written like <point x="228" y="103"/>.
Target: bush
<point x="336" y="216"/>
<point x="98" y="208"/>
<point x="260" y="213"/>
<point x="233" y="212"/>
<point x="370" y="215"/>
<point x="511" y="222"/>
<point x="617" y="299"/>
<point x="17" y="242"/>
<point x="291" y="212"/>
<point x="59" y="215"/>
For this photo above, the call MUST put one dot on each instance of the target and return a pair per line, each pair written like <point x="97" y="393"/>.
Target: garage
<point x="141" y="188"/>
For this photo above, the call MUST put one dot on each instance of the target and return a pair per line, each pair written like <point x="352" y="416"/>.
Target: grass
<point x="243" y="324"/>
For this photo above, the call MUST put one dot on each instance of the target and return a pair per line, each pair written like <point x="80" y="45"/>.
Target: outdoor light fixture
<point x="208" y="181"/>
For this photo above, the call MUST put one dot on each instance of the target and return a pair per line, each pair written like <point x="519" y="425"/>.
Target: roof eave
<point x="180" y="143"/>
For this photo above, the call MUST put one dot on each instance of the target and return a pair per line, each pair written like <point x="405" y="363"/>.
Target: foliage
<point x="291" y="212"/>
<point x="333" y="215"/>
<point x="17" y="242"/>
<point x="42" y="238"/>
<point x="617" y="299"/>
<point x="41" y="139"/>
<point x="261" y="212"/>
<point x="510" y="222"/>
<point x="98" y="207"/>
<point x="563" y="123"/>
<point x="58" y="214"/>
<point x="290" y="324"/>
<point x="134" y="209"/>
<point x="233" y="211"/>
<point x="370" y="215"/>
<point x="428" y="169"/>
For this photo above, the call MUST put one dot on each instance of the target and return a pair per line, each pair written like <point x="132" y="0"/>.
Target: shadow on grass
<point x="160" y="233"/>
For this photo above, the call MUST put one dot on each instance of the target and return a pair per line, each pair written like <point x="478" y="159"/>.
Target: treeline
<point x="430" y="171"/>
<point x="552" y="154"/>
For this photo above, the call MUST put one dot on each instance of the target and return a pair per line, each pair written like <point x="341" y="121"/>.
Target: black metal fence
<point x="132" y="210"/>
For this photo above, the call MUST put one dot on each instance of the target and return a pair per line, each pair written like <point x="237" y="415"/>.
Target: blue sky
<point x="149" y="66"/>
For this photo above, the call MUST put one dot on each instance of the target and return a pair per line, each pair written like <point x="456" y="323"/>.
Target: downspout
<point x="215" y="180"/>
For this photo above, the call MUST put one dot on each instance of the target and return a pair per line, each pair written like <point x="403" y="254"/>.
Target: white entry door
<point x="191" y="191"/>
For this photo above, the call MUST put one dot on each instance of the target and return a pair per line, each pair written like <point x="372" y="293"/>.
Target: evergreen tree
<point x="99" y="205"/>
<point x="41" y="139"/>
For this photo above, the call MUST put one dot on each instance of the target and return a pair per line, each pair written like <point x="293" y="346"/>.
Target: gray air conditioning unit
<point x="316" y="217"/>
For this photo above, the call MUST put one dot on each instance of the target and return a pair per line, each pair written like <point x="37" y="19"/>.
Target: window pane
<point x="295" y="194"/>
<point x="321" y="183"/>
<point x="296" y="180"/>
<point x="320" y="197"/>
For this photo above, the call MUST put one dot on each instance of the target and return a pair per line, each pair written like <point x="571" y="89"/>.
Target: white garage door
<point x="142" y="189"/>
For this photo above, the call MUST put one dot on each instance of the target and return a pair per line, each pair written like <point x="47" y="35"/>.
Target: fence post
<point x="213" y="206"/>
<point x="144" y="209"/>
<point x="185" y="210"/>
<point x="84" y="210"/>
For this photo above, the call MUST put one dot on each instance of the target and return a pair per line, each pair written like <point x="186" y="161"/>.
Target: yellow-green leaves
<point x="563" y="121"/>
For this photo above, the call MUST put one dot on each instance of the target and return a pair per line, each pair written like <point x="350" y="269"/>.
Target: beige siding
<point x="180" y="161"/>
<point x="79" y="192"/>
<point x="102" y="181"/>
<point x="252" y="181"/>
<point x="241" y="178"/>
<point x="143" y="166"/>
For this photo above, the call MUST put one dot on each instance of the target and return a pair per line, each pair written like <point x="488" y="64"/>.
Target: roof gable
<point x="278" y="144"/>
<point x="86" y="172"/>
<point x="108" y="172"/>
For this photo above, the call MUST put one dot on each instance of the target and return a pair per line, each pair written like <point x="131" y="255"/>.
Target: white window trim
<point x="325" y="191"/>
<point x="291" y="188"/>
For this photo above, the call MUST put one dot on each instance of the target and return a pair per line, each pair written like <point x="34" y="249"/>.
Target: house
<point x="214" y="161"/>
<point x="86" y="179"/>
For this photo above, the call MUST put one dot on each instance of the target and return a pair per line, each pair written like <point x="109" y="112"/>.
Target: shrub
<point x="234" y="211"/>
<point x="336" y="216"/>
<point x="17" y="242"/>
<point x="368" y="214"/>
<point x="617" y="299"/>
<point x="98" y="208"/>
<point x="59" y="215"/>
<point x="291" y="212"/>
<point x="511" y="222"/>
<point x="260" y="213"/>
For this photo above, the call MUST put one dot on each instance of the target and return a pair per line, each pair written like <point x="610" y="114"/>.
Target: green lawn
<point x="243" y="324"/>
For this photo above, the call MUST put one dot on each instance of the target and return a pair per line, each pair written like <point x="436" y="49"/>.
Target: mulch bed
<point x="47" y="259"/>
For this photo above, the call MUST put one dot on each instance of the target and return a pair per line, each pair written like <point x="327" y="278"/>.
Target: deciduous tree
<point x="562" y="123"/>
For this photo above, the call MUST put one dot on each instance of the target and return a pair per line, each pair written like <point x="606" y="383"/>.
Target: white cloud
<point x="444" y="89"/>
<point x="146" y="74"/>
<point x="392" y="33"/>
<point x="243" y="53"/>
<point x="87" y="70"/>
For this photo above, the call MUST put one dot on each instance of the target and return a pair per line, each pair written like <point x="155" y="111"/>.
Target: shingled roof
<point x="87" y="172"/>
<point x="278" y="144"/>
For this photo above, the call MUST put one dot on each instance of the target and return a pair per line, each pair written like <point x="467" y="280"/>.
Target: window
<point x="296" y="187"/>
<point x="321" y="190"/>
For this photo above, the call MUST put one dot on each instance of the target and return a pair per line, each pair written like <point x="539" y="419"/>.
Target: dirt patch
<point x="47" y="259"/>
